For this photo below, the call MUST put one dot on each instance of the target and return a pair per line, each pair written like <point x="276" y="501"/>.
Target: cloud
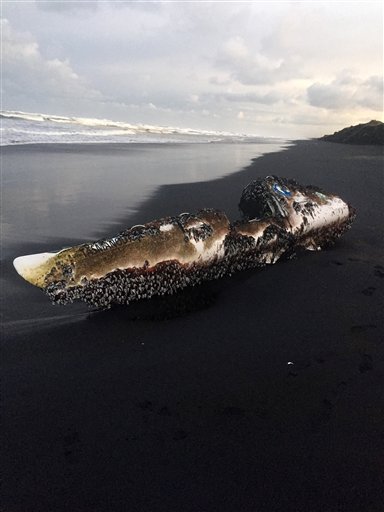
<point x="348" y="92"/>
<point x="236" y="49"/>
<point x="268" y="98"/>
<point x="303" y="40"/>
<point x="216" y="80"/>
<point x="330" y="96"/>
<point x="322" y="37"/>
<point x="250" y="67"/>
<point x="27" y="75"/>
<point x="62" y="6"/>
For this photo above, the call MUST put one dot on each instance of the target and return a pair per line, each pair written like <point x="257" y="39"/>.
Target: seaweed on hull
<point x="169" y="254"/>
<point x="371" y="133"/>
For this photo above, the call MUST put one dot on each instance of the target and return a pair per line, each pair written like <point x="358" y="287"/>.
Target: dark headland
<point x="365" y="134"/>
<point x="258" y="393"/>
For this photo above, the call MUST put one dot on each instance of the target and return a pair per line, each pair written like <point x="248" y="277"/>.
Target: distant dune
<point x="368" y="133"/>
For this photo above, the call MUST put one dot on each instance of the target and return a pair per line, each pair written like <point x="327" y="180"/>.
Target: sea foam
<point x="32" y="128"/>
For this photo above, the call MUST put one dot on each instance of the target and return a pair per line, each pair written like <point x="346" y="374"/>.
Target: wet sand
<point x="189" y="404"/>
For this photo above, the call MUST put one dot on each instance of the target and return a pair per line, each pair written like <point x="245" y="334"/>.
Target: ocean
<point x="33" y="128"/>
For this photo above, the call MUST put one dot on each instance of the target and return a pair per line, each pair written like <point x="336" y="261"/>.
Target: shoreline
<point x="84" y="145"/>
<point x="192" y="403"/>
<point x="224" y="193"/>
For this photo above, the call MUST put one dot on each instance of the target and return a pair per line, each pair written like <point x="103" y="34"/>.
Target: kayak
<point x="278" y="216"/>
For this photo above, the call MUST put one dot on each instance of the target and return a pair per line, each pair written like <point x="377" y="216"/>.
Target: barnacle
<point x="169" y="254"/>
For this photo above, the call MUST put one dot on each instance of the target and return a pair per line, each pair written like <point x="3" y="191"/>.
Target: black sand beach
<point x="189" y="404"/>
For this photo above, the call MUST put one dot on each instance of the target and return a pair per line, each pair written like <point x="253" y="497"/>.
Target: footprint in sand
<point x="363" y="328"/>
<point x="368" y="291"/>
<point x="295" y="368"/>
<point x="146" y="405"/>
<point x="366" y="363"/>
<point x="327" y="406"/>
<point x="336" y="262"/>
<point x="232" y="411"/>
<point x="179" y="435"/>
<point x="71" y="446"/>
<point x="164" y="411"/>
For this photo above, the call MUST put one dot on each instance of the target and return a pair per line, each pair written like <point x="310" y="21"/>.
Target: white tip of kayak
<point x="27" y="265"/>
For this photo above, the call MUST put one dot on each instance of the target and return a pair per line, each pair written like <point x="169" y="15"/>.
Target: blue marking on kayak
<point x="282" y="190"/>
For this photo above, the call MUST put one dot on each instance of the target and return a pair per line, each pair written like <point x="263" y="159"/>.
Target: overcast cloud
<point x="267" y="68"/>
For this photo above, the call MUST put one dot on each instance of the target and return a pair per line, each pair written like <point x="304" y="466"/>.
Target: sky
<point x="284" y="69"/>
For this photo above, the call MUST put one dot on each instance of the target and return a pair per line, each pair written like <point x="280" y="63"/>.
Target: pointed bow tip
<point x="28" y="266"/>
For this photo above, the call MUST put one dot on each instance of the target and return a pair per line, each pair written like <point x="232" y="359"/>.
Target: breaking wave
<point x="36" y="128"/>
